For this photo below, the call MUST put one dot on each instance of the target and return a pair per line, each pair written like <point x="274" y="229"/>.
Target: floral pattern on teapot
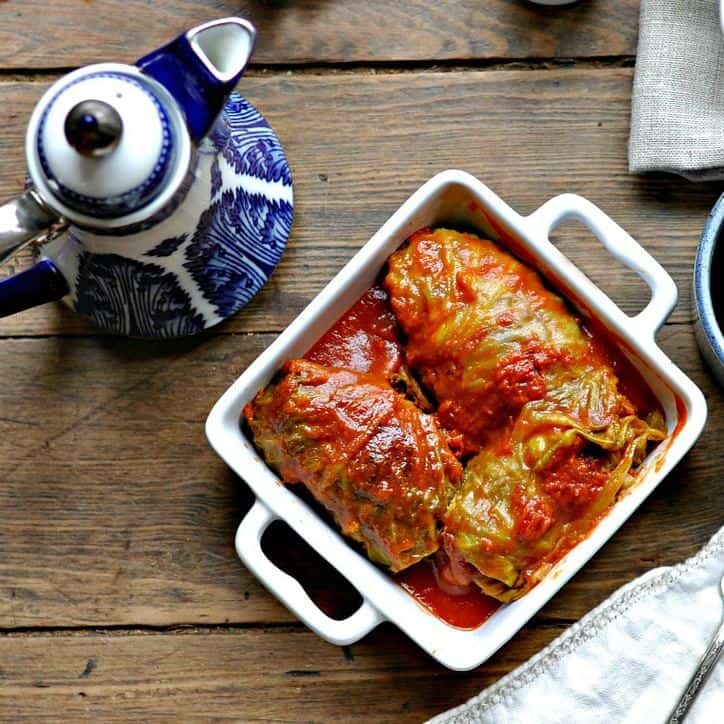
<point x="208" y="258"/>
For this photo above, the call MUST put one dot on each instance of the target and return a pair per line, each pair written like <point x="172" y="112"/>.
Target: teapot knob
<point x="93" y="128"/>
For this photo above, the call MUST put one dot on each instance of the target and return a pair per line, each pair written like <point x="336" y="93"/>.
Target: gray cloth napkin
<point x="677" y="112"/>
<point x="627" y="661"/>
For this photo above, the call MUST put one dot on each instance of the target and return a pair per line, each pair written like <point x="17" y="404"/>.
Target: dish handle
<point x="621" y="246"/>
<point x="290" y="592"/>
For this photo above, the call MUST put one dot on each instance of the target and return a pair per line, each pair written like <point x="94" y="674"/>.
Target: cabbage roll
<point x="486" y="336"/>
<point x="371" y="457"/>
<point x="535" y="492"/>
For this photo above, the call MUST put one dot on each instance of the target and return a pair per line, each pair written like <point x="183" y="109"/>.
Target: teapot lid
<point x="105" y="144"/>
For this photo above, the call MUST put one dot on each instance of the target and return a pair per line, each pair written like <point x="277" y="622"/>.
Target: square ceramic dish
<point x="454" y="198"/>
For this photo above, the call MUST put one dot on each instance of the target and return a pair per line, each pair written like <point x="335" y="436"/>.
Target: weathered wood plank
<point x="360" y="144"/>
<point x="63" y="33"/>
<point x="98" y="441"/>
<point x="116" y="511"/>
<point x="249" y="675"/>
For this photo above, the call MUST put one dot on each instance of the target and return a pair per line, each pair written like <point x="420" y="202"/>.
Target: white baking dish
<point x="454" y="198"/>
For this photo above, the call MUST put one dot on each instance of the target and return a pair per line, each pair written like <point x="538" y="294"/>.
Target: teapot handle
<point x="201" y="67"/>
<point x="40" y="284"/>
<point x="23" y="220"/>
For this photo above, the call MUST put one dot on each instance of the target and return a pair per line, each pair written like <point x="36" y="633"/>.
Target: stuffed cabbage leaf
<point x="486" y="336"/>
<point x="531" y="495"/>
<point x="371" y="457"/>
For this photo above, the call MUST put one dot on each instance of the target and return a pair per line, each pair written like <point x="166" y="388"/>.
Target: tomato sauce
<point x="365" y="339"/>
<point x="467" y="609"/>
<point x="576" y="482"/>
<point x="630" y="381"/>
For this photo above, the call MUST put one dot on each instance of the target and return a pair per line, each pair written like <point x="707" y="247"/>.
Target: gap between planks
<point x="172" y="629"/>
<point x="374" y="67"/>
<point x="226" y="627"/>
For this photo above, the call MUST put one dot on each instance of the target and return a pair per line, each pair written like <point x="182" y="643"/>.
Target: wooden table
<point x="120" y="592"/>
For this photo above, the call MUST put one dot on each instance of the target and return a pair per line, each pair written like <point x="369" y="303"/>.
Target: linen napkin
<point x="628" y="661"/>
<point x="677" y="111"/>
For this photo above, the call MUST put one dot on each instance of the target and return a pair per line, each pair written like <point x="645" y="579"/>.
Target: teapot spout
<point x="224" y="46"/>
<point x="201" y="68"/>
<point x="23" y="220"/>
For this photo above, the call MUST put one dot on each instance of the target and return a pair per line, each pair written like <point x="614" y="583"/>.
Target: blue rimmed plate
<point x="709" y="291"/>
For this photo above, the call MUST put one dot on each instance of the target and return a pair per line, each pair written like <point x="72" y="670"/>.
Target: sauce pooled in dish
<point x="461" y="423"/>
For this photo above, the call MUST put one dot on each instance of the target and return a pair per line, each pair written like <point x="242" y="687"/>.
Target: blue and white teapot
<point x="159" y="200"/>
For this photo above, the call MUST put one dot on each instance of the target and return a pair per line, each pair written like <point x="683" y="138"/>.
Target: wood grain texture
<point x="117" y="514"/>
<point x="116" y="511"/>
<point x="73" y="33"/>
<point x="277" y="675"/>
<point x="360" y="145"/>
